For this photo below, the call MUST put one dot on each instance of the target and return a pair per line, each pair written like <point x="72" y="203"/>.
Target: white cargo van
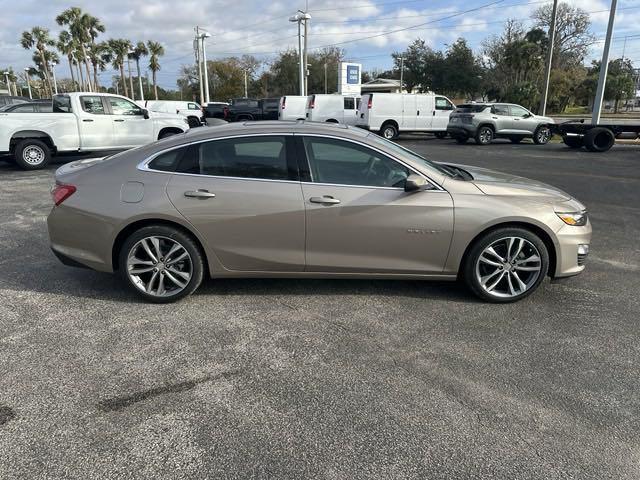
<point x="292" y="107"/>
<point x="189" y="110"/>
<point x="332" y="108"/>
<point x="392" y="113"/>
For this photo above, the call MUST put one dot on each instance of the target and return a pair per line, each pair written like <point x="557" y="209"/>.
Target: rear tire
<point x="150" y="268"/>
<point x="573" y="142"/>
<point x="484" y="135"/>
<point x="515" y="278"/>
<point x="32" y="154"/>
<point x="389" y="131"/>
<point x="599" y="139"/>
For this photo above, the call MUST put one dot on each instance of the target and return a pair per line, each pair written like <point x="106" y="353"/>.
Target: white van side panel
<point x="424" y="112"/>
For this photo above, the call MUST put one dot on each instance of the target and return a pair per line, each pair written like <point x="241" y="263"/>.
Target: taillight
<point x="312" y="101"/>
<point x="60" y="192"/>
<point x="370" y="102"/>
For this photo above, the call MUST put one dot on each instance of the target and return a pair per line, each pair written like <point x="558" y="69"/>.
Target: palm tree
<point x="139" y="51"/>
<point x="94" y="26"/>
<point x="67" y="46"/>
<point x="100" y="54"/>
<point x="155" y="50"/>
<point x="120" y="48"/>
<point x="38" y="37"/>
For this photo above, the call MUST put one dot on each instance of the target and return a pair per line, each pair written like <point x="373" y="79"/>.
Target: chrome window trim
<point x="144" y="164"/>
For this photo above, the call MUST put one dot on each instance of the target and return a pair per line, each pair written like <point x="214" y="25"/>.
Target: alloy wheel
<point x="159" y="266"/>
<point x="508" y="267"/>
<point x="486" y="135"/>
<point x="388" y="133"/>
<point x="544" y="135"/>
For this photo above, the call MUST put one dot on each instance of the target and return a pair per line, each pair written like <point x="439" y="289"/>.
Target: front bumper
<point x="570" y="252"/>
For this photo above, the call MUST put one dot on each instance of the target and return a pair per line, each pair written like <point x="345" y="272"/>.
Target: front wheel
<point x="506" y="265"/>
<point x="542" y="135"/>
<point x="484" y="135"/>
<point x="161" y="263"/>
<point x="32" y="154"/>
<point x="389" y="131"/>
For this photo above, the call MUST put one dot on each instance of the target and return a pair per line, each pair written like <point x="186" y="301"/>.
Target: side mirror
<point x="145" y="113"/>
<point x="415" y="183"/>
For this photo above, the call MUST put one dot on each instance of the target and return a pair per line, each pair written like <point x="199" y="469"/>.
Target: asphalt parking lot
<point x="335" y="379"/>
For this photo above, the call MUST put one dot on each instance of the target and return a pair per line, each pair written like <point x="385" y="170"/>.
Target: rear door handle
<point x="199" y="194"/>
<point x="325" y="200"/>
<point x="87" y="120"/>
<point x="118" y="120"/>
<point x="434" y="112"/>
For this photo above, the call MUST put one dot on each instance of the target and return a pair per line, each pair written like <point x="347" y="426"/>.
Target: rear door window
<point x="349" y="103"/>
<point x="500" y="110"/>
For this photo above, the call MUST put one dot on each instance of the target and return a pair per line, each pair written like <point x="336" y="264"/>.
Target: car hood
<point x="491" y="182"/>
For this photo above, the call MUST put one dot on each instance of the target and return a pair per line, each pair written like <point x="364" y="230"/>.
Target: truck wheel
<point x="542" y="135"/>
<point x="441" y="135"/>
<point x="193" y="122"/>
<point x="599" y="139"/>
<point x="32" y="154"/>
<point x="573" y="142"/>
<point x="389" y="131"/>
<point x="484" y="135"/>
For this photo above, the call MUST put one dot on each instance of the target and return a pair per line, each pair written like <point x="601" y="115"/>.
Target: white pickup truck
<point x="83" y="122"/>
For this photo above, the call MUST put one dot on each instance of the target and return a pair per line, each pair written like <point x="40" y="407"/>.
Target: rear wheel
<point x="599" y="139"/>
<point x="389" y="131"/>
<point x="542" y="135"/>
<point x="441" y="135"/>
<point x="484" y="135"/>
<point x="161" y="263"/>
<point x="32" y="154"/>
<point x="506" y="265"/>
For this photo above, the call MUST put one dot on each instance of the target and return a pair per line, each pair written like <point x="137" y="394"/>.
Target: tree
<point x="573" y="37"/>
<point x="462" y="75"/>
<point x="38" y="37"/>
<point x="413" y="60"/>
<point x="138" y="52"/>
<point x="620" y="83"/>
<point x="77" y="22"/>
<point x="66" y="46"/>
<point x="120" y="49"/>
<point x="156" y="50"/>
<point x="100" y="55"/>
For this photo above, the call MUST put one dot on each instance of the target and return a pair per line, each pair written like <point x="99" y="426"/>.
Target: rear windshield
<point x="472" y="108"/>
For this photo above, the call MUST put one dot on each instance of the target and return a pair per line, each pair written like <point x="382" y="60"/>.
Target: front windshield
<point x="408" y="153"/>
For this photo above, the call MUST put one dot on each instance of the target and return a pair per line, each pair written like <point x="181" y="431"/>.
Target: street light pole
<point x="139" y="78"/>
<point x="196" y="48"/>
<point x="604" y="66"/>
<point x="401" y="72"/>
<point x="325" y="77"/>
<point x="6" y="80"/>
<point x="27" y="75"/>
<point x="133" y="96"/>
<point x="299" y="18"/>
<point x="206" y="70"/>
<point x="306" y="63"/>
<point x="547" y="75"/>
<point x="245" y="84"/>
<point x="53" y="73"/>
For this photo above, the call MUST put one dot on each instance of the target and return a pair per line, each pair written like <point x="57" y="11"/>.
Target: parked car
<point x="486" y="121"/>
<point x="28" y="107"/>
<point x="190" y="110"/>
<point x="332" y="108"/>
<point x="83" y="122"/>
<point x="292" y="107"/>
<point x="393" y="113"/>
<point x="215" y="110"/>
<point x="303" y="200"/>
<point x="11" y="99"/>
<point x="242" y="109"/>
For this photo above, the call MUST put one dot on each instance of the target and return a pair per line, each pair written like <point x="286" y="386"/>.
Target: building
<point x="382" y="85"/>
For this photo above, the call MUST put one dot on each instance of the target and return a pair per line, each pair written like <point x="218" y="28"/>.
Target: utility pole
<point x="133" y="96"/>
<point x="206" y="69"/>
<point x="299" y="18"/>
<point x="6" y="80"/>
<point x="306" y="63"/>
<point x="401" y="73"/>
<point x="604" y="66"/>
<point x="196" y="47"/>
<point x="139" y="78"/>
<point x="547" y="75"/>
<point x="245" y="84"/>
<point x="53" y="73"/>
<point x="325" y="77"/>
<point x="27" y="75"/>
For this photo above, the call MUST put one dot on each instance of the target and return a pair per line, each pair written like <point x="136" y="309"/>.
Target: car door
<point x="130" y="127"/>
<point x="440" y="114"/>
<point x="409" y="111"/>
<point x="243" y="196"/>
<point x="95" y="125"/>
<point x="502" y="117"/>
<point x="424" y="112"/>
<point x="360" y="219"/>
<point x="523" y="120"/>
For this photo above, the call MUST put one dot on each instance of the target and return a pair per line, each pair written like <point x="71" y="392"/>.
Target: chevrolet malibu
<point x="304" y="200"/>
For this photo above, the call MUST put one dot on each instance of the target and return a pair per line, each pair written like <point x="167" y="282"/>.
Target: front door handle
<point x="118" y="120"/>
<point x="325" y="200"/>
<point x="199" y="194"/>
<point x="434" y="112"/>
<point x="87" y="120"/>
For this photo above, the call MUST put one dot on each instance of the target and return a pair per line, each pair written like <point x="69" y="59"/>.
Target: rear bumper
<point x="460" y="131"/>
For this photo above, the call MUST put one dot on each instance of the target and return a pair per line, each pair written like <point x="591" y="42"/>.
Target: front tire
<point x="542" y="135"/>
<point x="389" y="131"/>
<point x="506" y="265"/>
<point x="32" y="154"/>
<point x="161" y="263"/>
<point x="484" y="135"/>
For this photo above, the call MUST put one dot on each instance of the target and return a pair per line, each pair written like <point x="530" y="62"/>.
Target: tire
<point x="192" y="265"/>
<point x="507" y="288"/>
<point x="573" y="142"/>
<point x="484" y="135"/>
<point x="441" y="135"/>
<point x="599" y="139"/>
<point x="461" y="140"/>
<point x="167" y="134"/>
<point x="515" y="139"/>
<point x="542" y="135"/>
<point x="32" y="154"/>
<point x="193" y="122"/>
<point x="389" y="131"/>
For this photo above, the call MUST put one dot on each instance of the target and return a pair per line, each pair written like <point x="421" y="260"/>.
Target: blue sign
<point x="353" y="74"/>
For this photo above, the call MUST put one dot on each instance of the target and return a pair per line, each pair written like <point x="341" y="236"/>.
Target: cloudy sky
<point x="368" y="30"/>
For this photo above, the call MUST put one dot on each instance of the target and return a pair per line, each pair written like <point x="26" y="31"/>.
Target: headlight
<point x="576" y="219"/>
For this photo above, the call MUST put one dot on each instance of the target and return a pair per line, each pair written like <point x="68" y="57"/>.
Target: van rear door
<point x="362" y="115"/>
